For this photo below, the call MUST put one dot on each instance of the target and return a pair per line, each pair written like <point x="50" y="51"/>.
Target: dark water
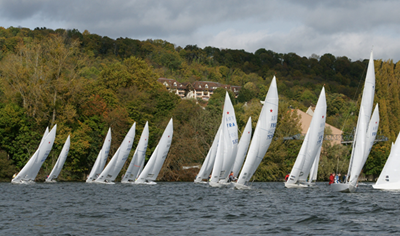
<point x="189" y="209"/>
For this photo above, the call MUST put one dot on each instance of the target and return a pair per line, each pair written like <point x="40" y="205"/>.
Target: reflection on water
<point x="188" y="208"/>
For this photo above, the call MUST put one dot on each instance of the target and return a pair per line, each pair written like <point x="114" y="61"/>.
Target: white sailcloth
<point x="60" y="161"/>
<point x="389" y="179"/>
<point x="365" y="145"/>
<point x="263" y="135"/>
<point x="153" y="166"/>
<point x="361" y="146"/>
<point x="242" y="148"/>
<point x="118" y="160"/>
<point x="32" y="167"/>
<point x="219" y="157"/>
<point x="101" y="159"/>
<point x="208" y="163"/>
<point x="231" y="138"/>
<point x="138" y="157"/>
<point x="314" y="168"/>
<point x="311" y="145"/>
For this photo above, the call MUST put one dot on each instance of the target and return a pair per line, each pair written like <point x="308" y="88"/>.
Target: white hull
<point x="241" y="186"/>
<point x="145" y="183"/>
<point x="299" y="185"/>
<point x="343" y="187"/>
<point x="22" y="182"/>
<point x="391" y="186"/>
<point x="215" y="185"/>
<point x="50" y="181"/>
<point x="201" y="182"/>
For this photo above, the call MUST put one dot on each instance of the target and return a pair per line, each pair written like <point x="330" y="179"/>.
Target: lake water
<point x="194" y="209"/>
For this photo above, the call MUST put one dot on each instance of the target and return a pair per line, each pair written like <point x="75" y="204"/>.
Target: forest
<point x="86" y="83"/>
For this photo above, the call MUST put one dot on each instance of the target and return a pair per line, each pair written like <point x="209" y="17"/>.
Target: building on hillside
<point x="305" y="120"/>
<point x="196" y="90"/>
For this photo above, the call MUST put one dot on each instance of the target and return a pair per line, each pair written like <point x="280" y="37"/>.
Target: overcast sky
<point x="340" y="27"/>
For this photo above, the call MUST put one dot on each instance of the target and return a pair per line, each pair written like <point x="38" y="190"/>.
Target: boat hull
<point x="343" y="187"/>
<point x="241" y="186"/>
<point x="392" y="186"/>
<point x="298" y="185"/>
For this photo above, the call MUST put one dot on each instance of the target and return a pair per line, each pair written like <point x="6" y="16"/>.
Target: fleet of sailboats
<point x="226" y="155"/>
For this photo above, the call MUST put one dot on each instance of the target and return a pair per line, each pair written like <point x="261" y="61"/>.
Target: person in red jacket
<point x="286" y="177"/>
<point x="332" y="178"/>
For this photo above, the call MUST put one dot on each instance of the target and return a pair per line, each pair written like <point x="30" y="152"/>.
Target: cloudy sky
<point x="340" y="27"/>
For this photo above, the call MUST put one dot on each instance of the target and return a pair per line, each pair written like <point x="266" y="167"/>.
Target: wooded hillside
<point x="86" y="83"/>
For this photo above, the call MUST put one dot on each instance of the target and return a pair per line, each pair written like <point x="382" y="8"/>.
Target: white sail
<point x="101" y="158"/>
<point x="208" y="163"/>
<point x="138" y="157"/>
<point x="153" y="166"/>
<point x="361" y="146"/>
<point x="263" y="135"/>
<point x="60" y="161"/>
<point x="116" y="163"/>
<point x="32" y="167"/>
<point x="368" y="140"/>
<point x="242" y="148"/>
<point x="314" y="168"/>
<point x="230" y="138"/>
<point x="219" y="157"/>
<point x="389" y="178"/>
<point x="311" y="145"/>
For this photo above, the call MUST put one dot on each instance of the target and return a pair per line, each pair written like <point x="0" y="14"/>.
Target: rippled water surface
<point x="194" y="209"/>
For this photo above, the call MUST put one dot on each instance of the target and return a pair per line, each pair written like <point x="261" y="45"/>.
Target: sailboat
<point x="101" y="159"/>
<point x="389" y="179"/>
<point x="32" y="167"/>
<point x="153" y="166"/>
<point x="138" y="157"/>
<point x="365" y="133"/>
<point x="311" y="145"/>
<point x="262" y="138"/>
<point x="227" y="146"/>
<point x="60" y="162"/>
<point x="208" y="163"/>
<point x="242" y="148"/>
<point x="108" y="175"/>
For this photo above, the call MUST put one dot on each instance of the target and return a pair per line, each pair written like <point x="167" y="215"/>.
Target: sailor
<point x="332" y="178"/>
<point x="286" y="177"/>
<point x="231" y="177"/>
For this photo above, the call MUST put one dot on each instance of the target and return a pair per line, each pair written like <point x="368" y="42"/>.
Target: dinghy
<point x="60" y="162"/>
<point x="227" y="146"/>
<point x="311" y="145"/>
<point x="153" y="166"/>
<point x="108" y="175"/>
<point x="364" y="135"/>
<point x="389" y="179"/>
<point x="138" y="157"/>
<point x="262" y="138"/>
<point x="101" y="159"/>
<point x="32" y="167"/>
